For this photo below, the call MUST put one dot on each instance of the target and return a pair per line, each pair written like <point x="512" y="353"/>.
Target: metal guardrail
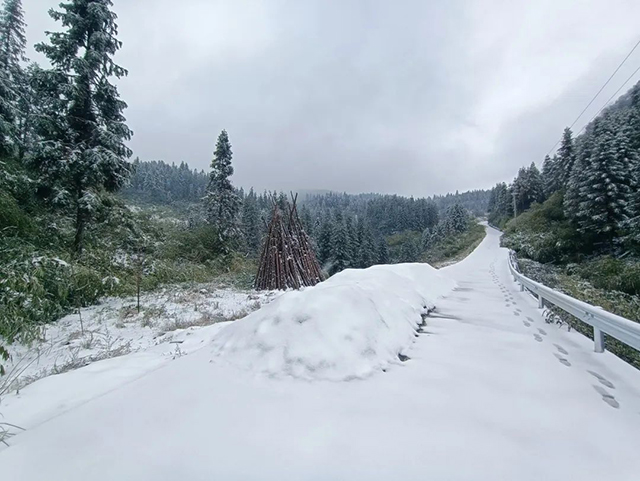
<point x="603" y="322"/>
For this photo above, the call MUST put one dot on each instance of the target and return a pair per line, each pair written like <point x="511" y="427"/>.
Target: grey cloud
<point x="347" y="95"/>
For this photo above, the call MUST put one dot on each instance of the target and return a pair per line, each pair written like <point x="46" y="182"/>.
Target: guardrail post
<point x="598" y="339"/>
<point x="521" y="287"/>
<point x="540" y="302"/>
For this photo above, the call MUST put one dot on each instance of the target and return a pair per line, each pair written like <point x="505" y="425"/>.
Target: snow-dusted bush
<point x="543" y="234"/>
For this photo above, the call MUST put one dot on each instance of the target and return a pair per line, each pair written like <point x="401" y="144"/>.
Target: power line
<point x="605" y="84"/>
<point x="598" y="93"/>
<point x="610" y="99"/>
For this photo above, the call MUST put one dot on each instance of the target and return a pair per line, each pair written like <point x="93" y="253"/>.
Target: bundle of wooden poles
<point x="287" y="260"/>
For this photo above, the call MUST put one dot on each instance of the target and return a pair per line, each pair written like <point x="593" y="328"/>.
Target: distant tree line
<point x="347" y="230"/>
<point x="157" y="182"/>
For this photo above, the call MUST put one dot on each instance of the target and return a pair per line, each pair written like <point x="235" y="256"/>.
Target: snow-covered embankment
<point x="350" y="326"/>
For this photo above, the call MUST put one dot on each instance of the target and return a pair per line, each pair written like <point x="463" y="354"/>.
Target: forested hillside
<point x="577" y="222"/>
<point x="590" y="187"/>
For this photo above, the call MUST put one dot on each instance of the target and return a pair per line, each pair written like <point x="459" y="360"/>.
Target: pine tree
<point x="307" y="221"/>
<point x="566" y="159"/>
<point x="409" y="251"/>
<point x="605" y="186"/>
<point x="221" y="200"/>
<point x="6" y="114"/>
<point x="501" y="204"/>
<point x="427" y="237"/>
<point x="83" y="150"/>
<point x="535" y="184"/>
<point x="577" y="180"/>
<point x="251" y="223"/>
<point x="13" y="40"/>
<point x="456" y="219"/>
<point x="13" y="82"/>
<point x="634" y="117"/>
<point x="528" y="187"/>
<point x="633" y="207"/>
<point x="382" y="251"/>
<point x="366" y="254"/>
<point x="340" y="255"/>
<point x="325" y="243"/>
<point x="353" y="239"/>
<point x="26" y="110"/>
<point x="550" y="177"/>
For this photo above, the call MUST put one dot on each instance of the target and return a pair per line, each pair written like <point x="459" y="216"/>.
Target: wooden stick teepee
<point x="287" y="259"/>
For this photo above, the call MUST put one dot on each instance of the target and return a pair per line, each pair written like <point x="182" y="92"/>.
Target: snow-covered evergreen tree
<point x="382" y="251"/>
<point x="6" y="114"/>
<point x="366" y="254"/>
<point x="427" y="237"/>
<point x="251" y="222"/>
<point x="600" y="193"/>
<point x="409" y="251"/>
<point x="536" y="184"/>
<point x="13" y="40"/>
<point x="566" y="159"/>
<point x="13" y="82"/>
<point x="325" y="241"/>
<point x="456" y="219"/>
<point x="221" y="200"/>
<point x="353" y="239"/>
<point x="83" y="149"/>
<point x="633" y="208"/>
<point x="307" y="221"/>
<point x="26" y="110"/>
<point x="501" y="207"/>
<point x="340" y="255"/>
<point x="551" y="176"/>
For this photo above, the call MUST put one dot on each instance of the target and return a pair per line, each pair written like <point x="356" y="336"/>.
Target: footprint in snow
<point x="530" y="320"/>
<point x="537" y="337"/>
<point x="519" y="310"/>
<point x="563" y="360"/>
<point x="607" y="397"/>
<point x="526" y="323"/>
<point x="602" y="379"/>
<point x="542" y="331"/>
<point x="561" y="349"/>
<point x="516" y="313"/>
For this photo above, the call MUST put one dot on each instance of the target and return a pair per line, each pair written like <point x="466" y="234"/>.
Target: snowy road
<point x="490" y="392"/>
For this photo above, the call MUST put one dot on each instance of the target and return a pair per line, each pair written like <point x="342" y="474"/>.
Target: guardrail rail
<point x="603" y="322"/>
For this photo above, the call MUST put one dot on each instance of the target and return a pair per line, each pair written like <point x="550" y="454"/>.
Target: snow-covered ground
<point x="487" y="391"/>
<point x="115" y="327"/>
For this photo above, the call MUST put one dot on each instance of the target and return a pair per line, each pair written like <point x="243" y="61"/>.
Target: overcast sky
<point x="410" y="97"/>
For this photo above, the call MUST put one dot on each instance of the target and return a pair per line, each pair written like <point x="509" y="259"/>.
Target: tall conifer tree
<point x="83" y="150"/>
<point x="221" y="200"/>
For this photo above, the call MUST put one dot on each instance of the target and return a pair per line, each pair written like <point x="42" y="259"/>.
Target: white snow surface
<point x="490" y="392"/>
<point x="352" y="325"/>
<point x="114" y="328"/>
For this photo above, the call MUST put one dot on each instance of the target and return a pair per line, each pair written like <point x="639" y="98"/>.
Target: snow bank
<point x="349" y="326"/>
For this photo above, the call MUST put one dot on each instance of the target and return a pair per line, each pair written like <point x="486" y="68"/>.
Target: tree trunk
<point x="78" y="241"/>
